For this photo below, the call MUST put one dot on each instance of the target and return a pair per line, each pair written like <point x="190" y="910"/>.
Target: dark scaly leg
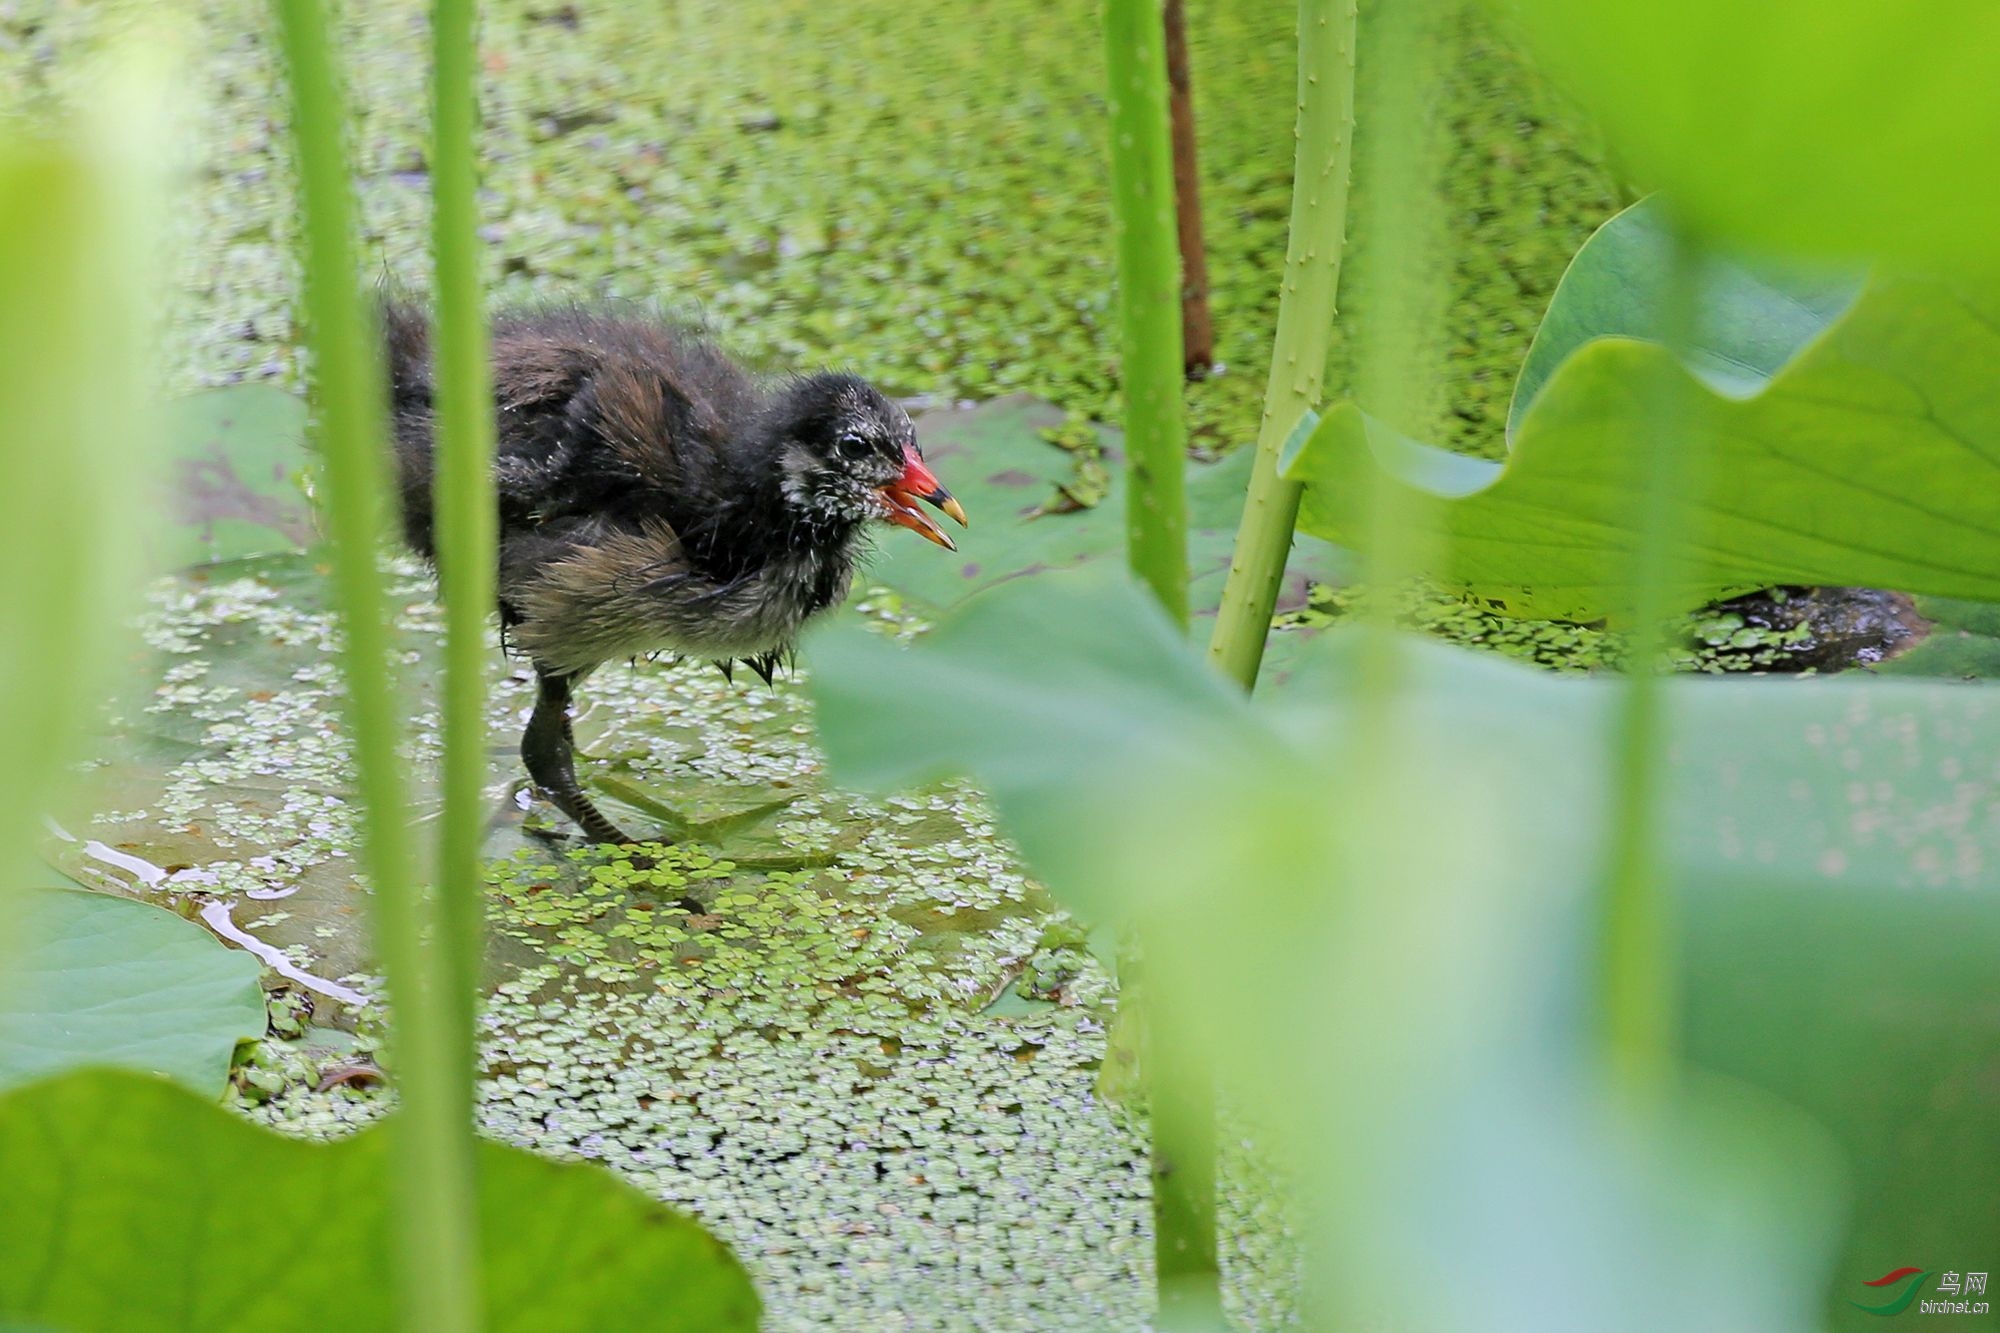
<point x="549" y="754"/>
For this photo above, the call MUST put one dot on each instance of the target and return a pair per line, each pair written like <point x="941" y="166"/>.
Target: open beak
<point x="918" y="483"/>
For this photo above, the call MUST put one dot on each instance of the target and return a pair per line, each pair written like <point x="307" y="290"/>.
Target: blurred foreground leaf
<point x="1389" y="951"/>
<point x="1850" y="441"/>
<point x="131" y="1204"/>
<point x="99" y="980"/>
<point x="1832" y="125"/>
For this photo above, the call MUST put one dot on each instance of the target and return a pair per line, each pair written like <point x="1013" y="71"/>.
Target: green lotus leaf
<point x="1846" y="439"/>
<point x="99" y="980"/>
<point x="131" y="1204"/>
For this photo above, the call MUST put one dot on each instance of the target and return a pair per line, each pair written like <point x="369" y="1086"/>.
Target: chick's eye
<point x="852" y="444"/>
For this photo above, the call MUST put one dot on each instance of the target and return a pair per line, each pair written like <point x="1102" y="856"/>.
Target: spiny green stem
<point x="435" y="1188"/>
<point x="466" y="516"/>
<point x="1149" y="300"/>
<point x="1325" y="138"/>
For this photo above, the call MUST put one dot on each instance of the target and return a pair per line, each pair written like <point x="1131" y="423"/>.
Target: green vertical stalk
<point x="1149" y="297"/>
<point x="435" y="1193"/>
<point x="1399" y="356"/>
<point x="1325" y="141"/>
<point x="465" y="510"/>
<point x="79" y="451"/>
<point x="1179" y="1082"/>
<point x="1398" y="361"/>
<point x="1636" y="950"/>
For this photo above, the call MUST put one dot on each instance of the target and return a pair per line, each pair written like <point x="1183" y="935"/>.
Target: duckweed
<point x="916" y="190"/>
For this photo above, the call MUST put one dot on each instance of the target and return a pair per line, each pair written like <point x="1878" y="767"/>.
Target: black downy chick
<point x="654" y="497"/>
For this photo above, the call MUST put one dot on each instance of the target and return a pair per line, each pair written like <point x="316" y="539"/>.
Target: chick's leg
<point x="549" y="754"/>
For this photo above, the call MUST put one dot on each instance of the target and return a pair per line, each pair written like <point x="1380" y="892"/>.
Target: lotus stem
<point x="1197" y="328"/>
<point x="1325" y="145"/>
<point x="435" y="1197"/>
<point x="1149" y="295"/>
<point x="466" y="516"/>
<point x="1638" y="999"/>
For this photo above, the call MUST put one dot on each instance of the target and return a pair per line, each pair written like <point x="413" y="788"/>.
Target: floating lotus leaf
<point x="1845" y="439"/>
<point x="135" y="1205"/>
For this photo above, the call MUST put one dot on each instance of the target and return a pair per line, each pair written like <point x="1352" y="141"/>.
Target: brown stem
<point x="1197" y="332"/>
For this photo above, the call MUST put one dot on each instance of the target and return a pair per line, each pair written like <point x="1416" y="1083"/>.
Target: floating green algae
<point x="913" y="189"/>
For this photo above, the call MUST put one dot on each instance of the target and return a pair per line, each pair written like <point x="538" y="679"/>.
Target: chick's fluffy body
<point x="641" y="492"/>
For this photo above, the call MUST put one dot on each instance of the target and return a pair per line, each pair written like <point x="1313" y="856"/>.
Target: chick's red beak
<point x="919" y="483"/>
